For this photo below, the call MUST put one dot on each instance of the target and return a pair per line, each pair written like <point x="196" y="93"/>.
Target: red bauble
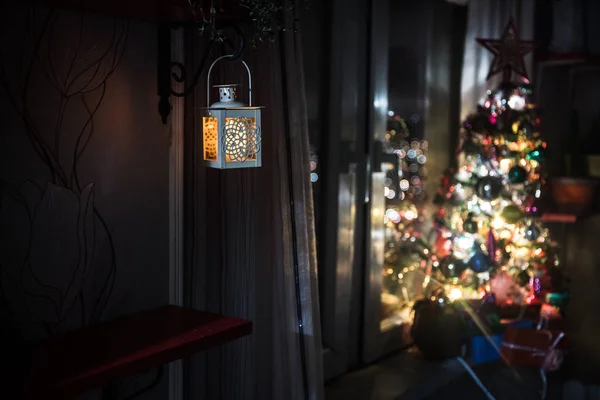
<point x="442" y="246"/>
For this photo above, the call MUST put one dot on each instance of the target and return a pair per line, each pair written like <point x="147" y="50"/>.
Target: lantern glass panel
<point x="210" y="129"/>
<point x="241" y="139"/>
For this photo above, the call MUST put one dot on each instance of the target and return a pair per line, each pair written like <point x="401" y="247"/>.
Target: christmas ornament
<point x="470" y="225"/>
<point x="517" y="174"/>
<point x="509" y="52"/>
<point x="532" y="231"/>
<point x="559" y="300"/>
<point x="452" y="267"/>
<point x="491" y="245"/>
<point x="511" y="214"/>
<point x="479" y="261"/>
<point x="489" y="187"/>
<point x="537" y="287"/>
<point x="537" y="154"/>
<point x="442" y="246"/>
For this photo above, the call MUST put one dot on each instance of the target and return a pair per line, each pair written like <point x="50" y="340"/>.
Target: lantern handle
<point x="210" y="70"/>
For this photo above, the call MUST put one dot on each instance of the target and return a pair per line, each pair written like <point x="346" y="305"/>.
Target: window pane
<point x="405" y="195"/>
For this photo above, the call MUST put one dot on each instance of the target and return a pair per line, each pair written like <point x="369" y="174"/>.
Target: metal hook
<point x="169" y="71"/>
<point x="237" y="54"/>
<point x="181" y="75"/>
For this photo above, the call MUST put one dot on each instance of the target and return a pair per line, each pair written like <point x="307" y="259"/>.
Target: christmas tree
<point x="489" y="239"/>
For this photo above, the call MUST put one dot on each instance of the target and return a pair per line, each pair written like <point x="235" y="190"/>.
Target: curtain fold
<point x="487" y="19"/>
<point x="255" y="239"/>
<point x="301" y="220"/>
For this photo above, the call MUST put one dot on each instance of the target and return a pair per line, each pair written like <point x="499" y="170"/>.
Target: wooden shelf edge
<point x="557" y="217"/>
<point x="547" y="58"/>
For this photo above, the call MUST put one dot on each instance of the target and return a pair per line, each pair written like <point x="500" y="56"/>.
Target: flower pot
<point x="592" y="161"/>
<point x="574" y="195"/>
<point x="436" y="331"/>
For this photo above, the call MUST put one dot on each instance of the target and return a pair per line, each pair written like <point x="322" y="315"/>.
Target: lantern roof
<point x="245" y="108"/>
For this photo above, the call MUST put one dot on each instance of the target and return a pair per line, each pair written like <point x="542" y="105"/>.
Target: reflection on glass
<point x="405" y="251"/>
<point x="314" y="163"/>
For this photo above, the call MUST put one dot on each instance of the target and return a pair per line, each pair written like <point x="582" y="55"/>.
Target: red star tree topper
<point x="509" y="52"/>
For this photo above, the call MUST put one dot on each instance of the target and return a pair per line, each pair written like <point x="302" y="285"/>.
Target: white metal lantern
<point x="230" y="129"/>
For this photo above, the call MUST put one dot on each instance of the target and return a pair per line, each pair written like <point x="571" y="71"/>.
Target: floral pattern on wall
<point x="57" y="258"/>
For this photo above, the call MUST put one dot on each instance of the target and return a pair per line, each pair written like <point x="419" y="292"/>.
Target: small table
<point x="91" y="358"/>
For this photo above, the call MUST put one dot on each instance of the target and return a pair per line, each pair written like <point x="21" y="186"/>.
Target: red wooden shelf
<point x="565" y="58"/>
<point x="80" y="361"/>
<point x="563" y="218"/>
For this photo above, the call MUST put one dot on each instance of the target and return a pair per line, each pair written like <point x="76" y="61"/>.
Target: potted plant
<point x="575" y="193"/>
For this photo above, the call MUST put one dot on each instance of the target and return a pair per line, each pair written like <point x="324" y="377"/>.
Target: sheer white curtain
<point x="487" y="19"/>
<point x="251" y="250"/>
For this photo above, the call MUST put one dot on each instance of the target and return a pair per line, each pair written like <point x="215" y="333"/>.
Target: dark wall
<point x="567" y="84"/>
<point x="410" y="23"/>
<point x="564" y="89"/>
<point x="425" y="66"/>
<point x="86" y="241"/>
